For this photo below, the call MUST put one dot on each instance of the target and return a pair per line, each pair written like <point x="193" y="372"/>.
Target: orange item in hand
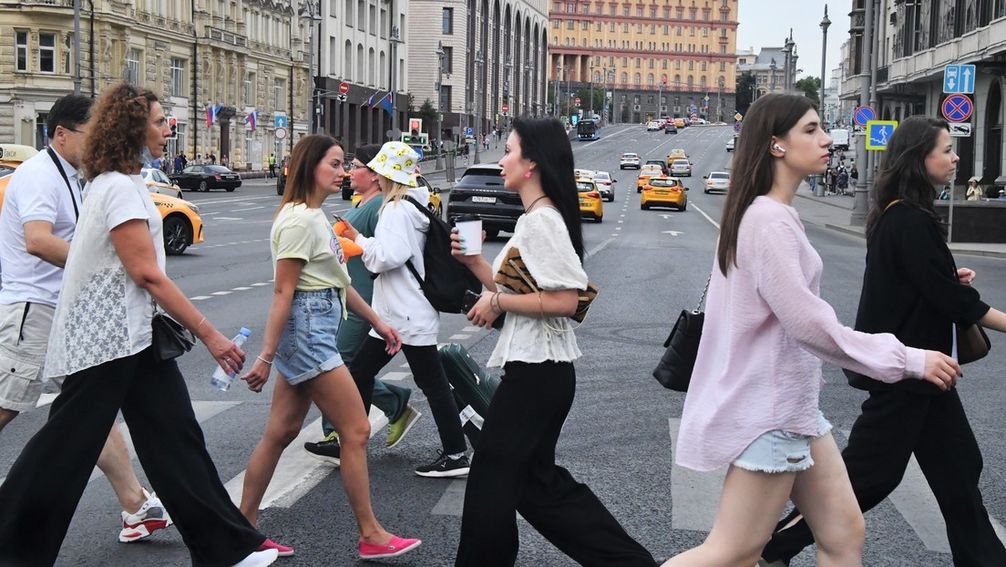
<point x="339" y="228"/>
<point x="349" y="247"/>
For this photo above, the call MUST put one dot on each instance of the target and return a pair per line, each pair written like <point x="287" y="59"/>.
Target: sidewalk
<point x="834" y="212"/>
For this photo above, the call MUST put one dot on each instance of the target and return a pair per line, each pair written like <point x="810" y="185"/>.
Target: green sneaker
<point x="398" y="428"/>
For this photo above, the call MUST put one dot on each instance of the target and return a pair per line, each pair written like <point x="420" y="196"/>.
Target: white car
<point x="730" y="144"/>
<point x="680" y="168"/>
<point x="158" y="182"/>
<point x="605" y="185"/>
<point x="652" y="126"/>
<point x="717" y="181"/>
<point x="629" y="160"/>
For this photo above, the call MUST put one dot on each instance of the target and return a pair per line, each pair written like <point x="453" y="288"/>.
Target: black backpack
<point x="446" y="278"/>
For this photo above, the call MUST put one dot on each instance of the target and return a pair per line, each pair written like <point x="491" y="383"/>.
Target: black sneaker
<point x="445" y="467"/>
<point x="326" y="450"/>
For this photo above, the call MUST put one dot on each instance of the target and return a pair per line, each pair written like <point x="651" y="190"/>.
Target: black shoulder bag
<point x="170" y="339"/>
<point x="674" y="371"/>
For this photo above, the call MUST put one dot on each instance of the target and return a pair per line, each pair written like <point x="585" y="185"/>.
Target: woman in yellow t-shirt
<point x="311" y="295"/>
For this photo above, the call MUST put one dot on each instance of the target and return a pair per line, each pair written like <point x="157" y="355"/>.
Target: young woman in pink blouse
<point x="753" y="400"/>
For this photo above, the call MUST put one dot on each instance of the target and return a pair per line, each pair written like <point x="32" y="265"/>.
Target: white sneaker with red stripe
<point x="148" y="519"/>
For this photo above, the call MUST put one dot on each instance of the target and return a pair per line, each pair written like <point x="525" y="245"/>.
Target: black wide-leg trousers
<point x="514" y="470"/>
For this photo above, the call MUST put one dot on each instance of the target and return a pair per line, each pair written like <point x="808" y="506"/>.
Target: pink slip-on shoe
<point x="283" y="550"/>
<point x="397" y="546"/>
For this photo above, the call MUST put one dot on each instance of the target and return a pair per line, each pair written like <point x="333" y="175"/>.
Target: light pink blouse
<point x="766" y="331"/>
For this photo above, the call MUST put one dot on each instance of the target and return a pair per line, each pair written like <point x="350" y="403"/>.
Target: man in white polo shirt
<point x="37" y="222"/>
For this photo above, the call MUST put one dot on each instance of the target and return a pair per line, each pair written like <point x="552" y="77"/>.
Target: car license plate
<point x="584" y="203"/>
<point x="477" y="199"/>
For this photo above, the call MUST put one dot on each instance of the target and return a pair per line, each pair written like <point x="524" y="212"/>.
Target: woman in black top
<point x="913" y="288"/>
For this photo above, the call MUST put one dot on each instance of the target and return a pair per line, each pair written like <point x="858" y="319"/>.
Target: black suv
<point x="480" y="192"/>
<point x="347" y="191"/>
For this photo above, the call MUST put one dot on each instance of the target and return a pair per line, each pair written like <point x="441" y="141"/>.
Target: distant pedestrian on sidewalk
<point x="752" y="404"/>
<point x="975" y="192"/>
<point x="309" y="304"/>
<point x="102" y="343"/>
<point x="391" y="399"/>
<point x="399" y="237"/>
<point x="514" y="469"/>
<point x="913" y="288"/>
<point x="272" y="165"/>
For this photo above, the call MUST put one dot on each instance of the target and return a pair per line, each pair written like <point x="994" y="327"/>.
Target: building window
<point x="723" y="66"/>
<point x="448" y="59"/>
<point x="625" y="28"/>
<point x="384" y="24"/>
<point x="133" y="57"/>
<point x="585" y="25"/>
<point x="67" y="53"/>
<point x="448" y="23"/>
<point x="349" y="13"/>
<point x="249" y="90"/>
<point x="178" y="77"/>
<point x="556" y="24"/>
<point x="361" y="16"/>
<point x="21" y="50"/>
<point x="278" y="94"/>
<point x="445" y="98"/>
<point x="373" y="19"/>
<point x="47" y="52"/>
<point x="570" y="24"/>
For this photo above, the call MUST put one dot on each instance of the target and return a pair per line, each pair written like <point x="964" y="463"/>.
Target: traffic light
<point x="173" y="124"/>
<point x="416" y="139"/>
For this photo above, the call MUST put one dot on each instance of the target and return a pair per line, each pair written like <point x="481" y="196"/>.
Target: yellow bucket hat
<point x="398" y="162"/>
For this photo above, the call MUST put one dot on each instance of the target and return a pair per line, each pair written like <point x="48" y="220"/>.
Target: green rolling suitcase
<point x="473" y="388"/>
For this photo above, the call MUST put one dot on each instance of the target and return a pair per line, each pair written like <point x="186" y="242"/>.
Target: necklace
<point x="533" y="203"/>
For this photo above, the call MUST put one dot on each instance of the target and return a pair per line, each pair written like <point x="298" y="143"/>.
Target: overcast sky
<point x="766" y="23"/>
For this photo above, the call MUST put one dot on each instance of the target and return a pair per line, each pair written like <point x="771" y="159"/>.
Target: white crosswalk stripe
<point x="696" y="500"/>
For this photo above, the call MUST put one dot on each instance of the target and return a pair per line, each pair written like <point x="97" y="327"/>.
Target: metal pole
<point x="478" y="117"/>
<point x="555" y="93"/>
<point x="591" y="92"/>
<point x="819" y="188"/>
<point x="660" y="92"/>
<point x="313" y="101"/>
<point x="861" y="204"/>
<point x="438" y="164"/>
<point x="76" y="47"/>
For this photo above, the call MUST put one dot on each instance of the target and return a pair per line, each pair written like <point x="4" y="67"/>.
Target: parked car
<point x="731" y="143"/>
<point x="591" y="205"/>
<point x="206" y="177"/>
<point x="663" y="192"/>
<point x="717" y="181"/>
<point x="605" y="185"/>
<point x="435" y="204"/>
<point x="480" y="192"/>
<point x="158" y="182"/>
<point x="629" y="159"/>
<point x="681" y="167"/>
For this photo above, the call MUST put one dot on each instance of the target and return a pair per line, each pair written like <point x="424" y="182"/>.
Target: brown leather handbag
<point x="513" y="273"/>
<point x="972" y="343"/>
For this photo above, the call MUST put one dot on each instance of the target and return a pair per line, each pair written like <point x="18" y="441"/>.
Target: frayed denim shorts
<point x="779" y="451"/>
<point x="308" y="346"/>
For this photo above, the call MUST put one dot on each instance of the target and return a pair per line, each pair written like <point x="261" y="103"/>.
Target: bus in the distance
<point x="587" y="130"/>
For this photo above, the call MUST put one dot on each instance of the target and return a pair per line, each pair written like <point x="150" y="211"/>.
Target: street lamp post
<point x="555" y="92"/>
<point x="307" y="14"/>
<point x="660" y="93"/>
<point x="394" y="39"/>
<point x="719" y="100"/>
<point x="591" y="91"/>
<point x="438" y="164"/>
<point x="479" y="96"/>
<point x="771" y="68"/>
<point x="819" y="187"/>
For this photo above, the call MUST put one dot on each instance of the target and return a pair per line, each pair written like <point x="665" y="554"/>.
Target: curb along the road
<point x="955" y="248"/>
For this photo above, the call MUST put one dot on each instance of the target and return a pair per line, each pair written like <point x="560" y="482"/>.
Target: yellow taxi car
<point x="182" y="223"/>
<point x="664" y="192"/>
<point x="645" y="173"/>
<point x="591" y="205"/>
<point x="676" y="153"/>
<point x="158" y="182"/>
<point x="436" y="207"/>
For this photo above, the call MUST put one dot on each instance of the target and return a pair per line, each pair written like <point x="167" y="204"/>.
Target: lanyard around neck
<point x="59" y="166"/>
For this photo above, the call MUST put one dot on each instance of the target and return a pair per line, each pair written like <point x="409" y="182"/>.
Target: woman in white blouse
<point x="101" y="341"/>
<point x="514" y="468"/>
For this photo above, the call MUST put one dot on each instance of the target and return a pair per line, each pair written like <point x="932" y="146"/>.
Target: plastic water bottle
<point x="222" y="379"/>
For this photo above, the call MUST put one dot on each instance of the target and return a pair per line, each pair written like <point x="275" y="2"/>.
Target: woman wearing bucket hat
<point x="399" y="238"/>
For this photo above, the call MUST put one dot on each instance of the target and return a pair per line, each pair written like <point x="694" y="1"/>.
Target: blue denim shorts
<point x="779" y="451"/>
<point x="308" y="346"/>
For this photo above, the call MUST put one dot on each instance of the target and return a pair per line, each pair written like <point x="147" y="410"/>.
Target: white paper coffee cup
<point x="470" y="230"/>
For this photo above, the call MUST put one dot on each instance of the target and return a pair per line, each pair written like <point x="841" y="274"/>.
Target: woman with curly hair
<point x="103" y="345"/>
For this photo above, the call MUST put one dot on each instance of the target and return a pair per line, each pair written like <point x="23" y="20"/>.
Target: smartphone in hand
<point x="469" y="301"/>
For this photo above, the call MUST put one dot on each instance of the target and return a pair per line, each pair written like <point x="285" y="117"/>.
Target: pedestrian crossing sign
<point x="878" y="134"/>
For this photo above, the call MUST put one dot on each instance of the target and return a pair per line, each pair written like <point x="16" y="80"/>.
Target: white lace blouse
<point x="548" y="253"/>
<point x="102" y="315"/>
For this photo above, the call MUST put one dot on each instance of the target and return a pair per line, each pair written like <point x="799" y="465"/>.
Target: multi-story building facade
<point x="361" y="44"/>
<point x="680" y="52"/>
<point x="914" y="42"/>
<point x="242" y="58"/>
<point x="494" y="58"/>
<point x="769" y="68"/>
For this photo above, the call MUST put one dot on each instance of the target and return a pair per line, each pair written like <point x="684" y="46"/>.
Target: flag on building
<point x="387" y="105"/>
<point x="370" y="101"/>
<point x="211" y="114"/>
<point x="251" y="120"/>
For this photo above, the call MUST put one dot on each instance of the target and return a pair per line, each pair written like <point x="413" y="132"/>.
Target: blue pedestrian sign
<point x="863" y="114"/>
<point x="878" y="133"/>
<point x="959" y="79"/>
<point x="957" y="108"/>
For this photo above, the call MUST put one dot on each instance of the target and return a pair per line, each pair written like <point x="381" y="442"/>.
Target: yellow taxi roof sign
<point x="16" y="152"/>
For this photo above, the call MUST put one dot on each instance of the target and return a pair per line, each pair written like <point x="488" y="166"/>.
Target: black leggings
<point x="514" y="471"/>
<point x="424" y="361"/>
<point x="45" y="484"/>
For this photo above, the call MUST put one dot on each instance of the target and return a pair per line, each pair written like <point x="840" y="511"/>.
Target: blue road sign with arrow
<point x="959" y="79"/>
<point x="878" y="133"/>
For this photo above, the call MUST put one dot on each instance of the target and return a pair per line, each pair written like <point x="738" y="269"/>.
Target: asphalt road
<point x="619" y="436"/>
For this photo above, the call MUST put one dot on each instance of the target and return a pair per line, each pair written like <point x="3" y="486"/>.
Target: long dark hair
<point x="771" y="115"/>
<point x="545" y="142"/>
<point x="306" y="156"/>
<point x="903" y="173"/>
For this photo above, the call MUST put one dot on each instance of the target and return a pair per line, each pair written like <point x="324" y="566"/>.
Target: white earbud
<point x="778" y="148"/>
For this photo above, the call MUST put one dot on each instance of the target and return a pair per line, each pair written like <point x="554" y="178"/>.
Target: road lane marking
<point x="458" y="337"/>
<point x="240" y="289"/>
<point x="452" y="502"/>
<point x="261" y="284"/>
<point x="472" y="329"/>
<point x="228" y="292"/>
<point x="199" y="298"/>
<point x="230" y="219"/>
<point x="395" y="376"/>
<point x="708" y="218"/>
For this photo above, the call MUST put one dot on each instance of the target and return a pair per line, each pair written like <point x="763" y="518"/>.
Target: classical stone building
<point x="682" y="52"/>
<point x="240" y="57"/>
